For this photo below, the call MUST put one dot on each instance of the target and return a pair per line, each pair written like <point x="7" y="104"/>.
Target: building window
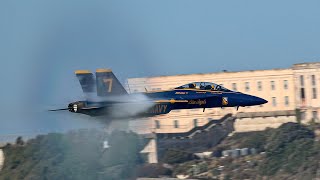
<point x="247" y="86"/>
<point x="272" y="85"/>
<point x="313" y="80"/>
<point x="285" y="84"/>
<point x="302" y="94"/>
<point x="195" y="122"/>
<point x="234" y="86"/>
<point x="301" y="80"/>
<point x="176" y="123"/>
<point x="314" y="115"/>
<point x="314" y="89"/>
<point x="259" y="86"/>
<point x="157" y="124"/>
<point x="286" y="100"/>
<point x="314" y="93"/>
<point x="274" y="101"/>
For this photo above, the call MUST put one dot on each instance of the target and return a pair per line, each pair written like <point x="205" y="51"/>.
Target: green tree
<point x="287" y="148"/>
<point x="75" y="155"/>
<point x="19" y="141"/>
<point x="173" y="156"/>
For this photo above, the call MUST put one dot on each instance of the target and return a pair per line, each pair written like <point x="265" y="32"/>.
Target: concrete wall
<point x="151" y="150"/>
<point x="310" y="104"/>
<point x="198" y="141"/>
<point x="1" y="159"/>
<point x="261" y="123"/>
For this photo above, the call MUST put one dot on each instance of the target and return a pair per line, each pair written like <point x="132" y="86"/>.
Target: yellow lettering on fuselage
<point x="181" y="92"/>
<point x="199" y="102"/>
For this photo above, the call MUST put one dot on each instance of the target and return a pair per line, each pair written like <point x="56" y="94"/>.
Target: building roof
<point x="214" y="73"/>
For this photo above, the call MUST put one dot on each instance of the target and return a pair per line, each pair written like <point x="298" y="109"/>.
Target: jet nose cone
<point x="258" y="101"/>
<point x="254" y="100"/>
<point x="262" y="101"/>
<point x="248" y="100"/>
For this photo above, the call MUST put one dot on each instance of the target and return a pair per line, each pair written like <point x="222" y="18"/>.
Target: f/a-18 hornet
<point x="105" y="95"/>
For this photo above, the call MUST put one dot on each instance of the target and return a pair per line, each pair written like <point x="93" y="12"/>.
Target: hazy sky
<point x="42" y="42"/>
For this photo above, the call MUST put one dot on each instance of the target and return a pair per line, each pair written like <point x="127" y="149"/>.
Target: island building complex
<point x="292" y="95"/>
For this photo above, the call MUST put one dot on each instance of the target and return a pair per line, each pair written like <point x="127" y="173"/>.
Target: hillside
<point x="75" y="155"/>
<point x="288" y="152"/>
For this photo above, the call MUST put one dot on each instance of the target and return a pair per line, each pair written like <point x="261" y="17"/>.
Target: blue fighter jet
<point x="107" y="97"/>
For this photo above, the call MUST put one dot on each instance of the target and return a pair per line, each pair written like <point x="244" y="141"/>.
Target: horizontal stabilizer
<point x="63" y="109"/>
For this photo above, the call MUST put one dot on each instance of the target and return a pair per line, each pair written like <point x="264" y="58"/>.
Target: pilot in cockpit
<point x="192" y="85"/>
<point x="209" y="87"/>
<point x="218" y="88"/>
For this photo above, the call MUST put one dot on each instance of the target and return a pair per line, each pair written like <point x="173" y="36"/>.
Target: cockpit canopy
<point x="204" y="86"/>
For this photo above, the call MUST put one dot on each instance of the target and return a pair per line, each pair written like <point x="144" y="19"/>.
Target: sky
<point x="42" y="42"/>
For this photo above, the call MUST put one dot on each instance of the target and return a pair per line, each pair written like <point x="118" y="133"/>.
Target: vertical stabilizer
<point x="87" y="81"/>
<point x="108" y="84"/>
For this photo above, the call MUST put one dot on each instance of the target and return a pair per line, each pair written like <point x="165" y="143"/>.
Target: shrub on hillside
<point x="153" y="171"/>
<point x="172" y="156"/>
<point x="288" y="148"/>
<point x="75" y="155"/>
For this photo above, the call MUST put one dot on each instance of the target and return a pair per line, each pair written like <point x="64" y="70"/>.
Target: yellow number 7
<point x="109" y="82"/>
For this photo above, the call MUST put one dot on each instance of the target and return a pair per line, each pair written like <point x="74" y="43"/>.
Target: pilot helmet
<point x="192" y="85"/>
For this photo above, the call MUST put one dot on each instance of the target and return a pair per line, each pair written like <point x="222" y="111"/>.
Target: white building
<point x="1" y="159"/>
<point x="285" y="89"/>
